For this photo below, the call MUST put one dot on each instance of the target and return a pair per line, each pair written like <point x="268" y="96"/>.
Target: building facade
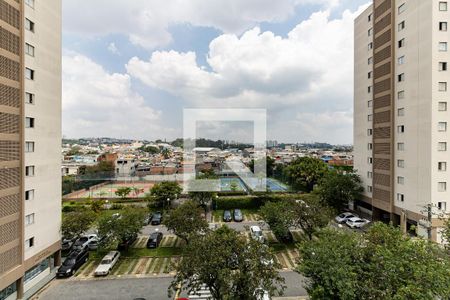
<point x="30" y="144"/>
<point x="400" y="112"/>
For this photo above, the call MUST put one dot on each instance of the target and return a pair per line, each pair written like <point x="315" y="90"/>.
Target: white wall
<point x="47" y="132"/>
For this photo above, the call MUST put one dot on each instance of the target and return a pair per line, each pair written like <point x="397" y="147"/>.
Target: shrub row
<point x="250" y="202"/>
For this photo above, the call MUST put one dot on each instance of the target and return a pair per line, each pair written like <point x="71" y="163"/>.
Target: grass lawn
<point x="279" y="247"/>
<point x="158" y="252"/>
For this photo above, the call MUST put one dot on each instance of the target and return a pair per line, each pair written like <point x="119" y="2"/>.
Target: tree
<point x="305" y="172"/>
<point x="165" y="190"/>
<point x="279" y="216"/>
<point x="446" y="234"/>
<point x="381" y="264"/>
<point x="74" y="224"/>
<point x="231" y="266"/>
<point x="123" y="192"/>
<point x="96" y="205"/>
<point x="166" y="153"/>
<point x="152" y="149"/>
<point x="202" y="198"/>
<point x="338" y="189"/>
<point x="311" y="215"/>
<point x="186" y="221"/>
<point x="117" y="228"/>
<point x="270" y="166"/>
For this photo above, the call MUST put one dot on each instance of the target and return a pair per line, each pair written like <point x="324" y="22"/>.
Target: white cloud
<point x="309" y="71"/>
<point x="113" y="49"/>
<point x="97" y="103"/>
<point x="147" y="22"/>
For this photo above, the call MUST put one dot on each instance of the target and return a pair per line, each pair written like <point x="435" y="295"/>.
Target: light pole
<point x="168" y="203"/>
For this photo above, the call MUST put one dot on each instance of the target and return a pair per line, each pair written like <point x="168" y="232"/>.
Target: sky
<point x="130" y="67"/>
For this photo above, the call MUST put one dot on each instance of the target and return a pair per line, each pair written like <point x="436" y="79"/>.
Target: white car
<point x="83" y="242"/>
<point x="107" y="263"/>
<point x="342" y="218"/>
<point x="256" y="233"/>
<point x="356" y="222"/>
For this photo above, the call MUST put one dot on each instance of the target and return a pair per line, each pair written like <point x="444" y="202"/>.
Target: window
<point x="401" y="60"/>
<point x="400" y="197"/>
<point x="400" y="112"/>
<point x="442" y="186"/>
<point x="29" y="195"/>
<point x="29" y="98"/>
<point x="29" y="243"/>
<point x="400" y="146"/>
<point x="29" y="219"/>
<point x="369" y="132"/>
<point x="400" y="163"/>
<point x="369" y="18"/>
<point x="443" y="66"/>
<point x="442" y="46"/>
<point x="369" y="75"/>
<point x="401" y="8"/>
<point x="29" y="171"/>
<point x="401" y="77"/>
<point x="442" y="205"/>
<point x="36" y="270"/>
<point x="401" y="43"/>
<point x="442" y="146"/>
<point x="369" y="89"/>
<point x="442" y="166"/>
<point x="401" y="95"/>
<point x="370" y="61"/>
<point x="29" y="74"/>
<point x="369" y="174"/>
<point x="369" y="160"/>
<point x="29" y="49"/>
<point x="443" y="26"/>
<point x="442" y="86"/>
<point x="369" y="188"/>
<point x="29" y="122"/>
<point x="369" y="118"/>
<point x="442" y="126"/>
<point x="370" y="46"/>
<point x="401" y="128"/>
<point x="401" y="180"/>
<point x="29" y="147"/>
<point x="30" y="3"/>
<point x="370" y="32"/>
<point x="369" y="146"/>
<point x="443" y="6"/>
<point x="442" y="106"/>
<point x="370" y="103"/>
<point x="401" y="26"/>
<point x="29" y="25"/>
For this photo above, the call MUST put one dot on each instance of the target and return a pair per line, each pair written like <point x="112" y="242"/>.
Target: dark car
<point x="287" y="238"/>
<point x="156" y="218"/>
<point x="154" y="240"/>
<point x="227" y="216"/>
<point x="72" y="263"/>
<point x="127" y="242"/>
<point x="238" y="216"/>
<point x="66" y="244"/>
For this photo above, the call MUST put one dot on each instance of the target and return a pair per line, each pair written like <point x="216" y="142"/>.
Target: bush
<point x="250" y="202"/>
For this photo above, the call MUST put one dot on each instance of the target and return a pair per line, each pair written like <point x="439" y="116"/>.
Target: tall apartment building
<point x="30" y="143"/>
<point x="402" y="111"/>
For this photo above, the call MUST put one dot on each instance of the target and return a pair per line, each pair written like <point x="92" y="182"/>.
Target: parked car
<point x="227" y="216"/>
<point x="356" y="222"/>
<point x="107" y="263"/>
<point x="238" y="216"/>
<point x="66" y="244"/>
<point x="154" y="240"/>
<point x="342" y="218"/>
<point x="156" y="218"/>
<point x="257" y="234"/>
<point x="287" y="238"/>
<point x="72" y="263"/>
<point x="83" y="242"/>
<point x="127" y="242"/>
<point x="148" y="219"/>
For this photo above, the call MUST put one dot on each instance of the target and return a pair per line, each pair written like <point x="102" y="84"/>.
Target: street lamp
<point x="168" y="203"/>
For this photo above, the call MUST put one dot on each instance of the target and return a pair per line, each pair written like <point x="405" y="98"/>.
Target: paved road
<point x="122" y="289"/>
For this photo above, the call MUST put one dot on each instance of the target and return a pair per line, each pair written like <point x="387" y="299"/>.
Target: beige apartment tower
<point x="402" y="113"/>
<point x="30" y="139"/>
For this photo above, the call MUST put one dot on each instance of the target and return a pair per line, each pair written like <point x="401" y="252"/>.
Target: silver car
<point x="107" y="263"/>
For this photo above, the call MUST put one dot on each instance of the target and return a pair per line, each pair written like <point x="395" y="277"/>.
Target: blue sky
<point x="130" y="67"/>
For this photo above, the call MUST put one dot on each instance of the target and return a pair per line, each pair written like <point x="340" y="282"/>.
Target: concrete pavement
<point x="131" y="288"/>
